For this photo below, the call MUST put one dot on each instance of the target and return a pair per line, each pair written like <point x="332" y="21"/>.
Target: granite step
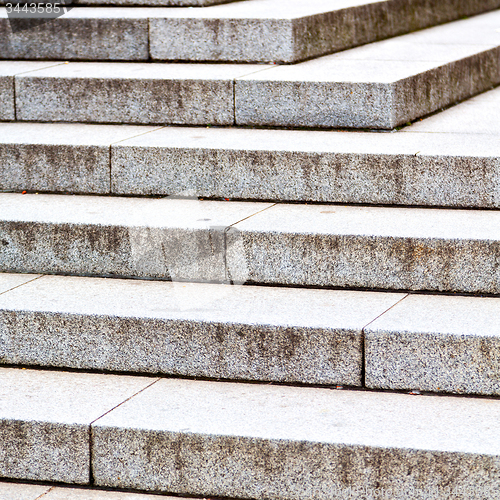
<point x="377" y="86"/>
<point x="247" y="441"/>
<point x="449" y="159"/>
<point x="187" y="329"/>
<point x="282" y="31"/>
<point x="33" y="491"/>
<point x="433" y="343"/>
<point x="388" y="248"/>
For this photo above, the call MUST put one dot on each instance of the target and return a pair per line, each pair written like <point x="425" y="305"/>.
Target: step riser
<point x="280" y="258"/>
<point x="117" y="101"/>
<point x="238" y="36"/>
<point x="77" y="39"/>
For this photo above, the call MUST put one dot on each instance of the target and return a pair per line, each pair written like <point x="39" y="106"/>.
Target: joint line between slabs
<point x="363" y="340"/>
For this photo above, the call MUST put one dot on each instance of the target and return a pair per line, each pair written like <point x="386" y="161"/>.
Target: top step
<point x="280" y="31"/>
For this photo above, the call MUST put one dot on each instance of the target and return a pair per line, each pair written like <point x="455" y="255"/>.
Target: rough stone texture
<point x="81" y="34"/>
<point x="130" y="93"/>
<point x="379" y="86"/>
<point x="436" y="343"/>
<point x="163" y="238"/>
<point x="13" y="491"/>
<point x="259" y="31"/>
<point x="372" y="247"/>
<point x="196" y="330"/>
<point x="11" y="281"/>
<point x="255" y="441"/>
<point x="8" y="69"/>
<point x="53" y="157"/>
<point x="45" y="419"/>
<point x="88" y="494"/>
<point x="289" y="31"/>
<point x="431" y="169"/>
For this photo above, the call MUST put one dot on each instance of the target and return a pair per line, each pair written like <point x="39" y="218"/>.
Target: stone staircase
<point x="224" y="275"/>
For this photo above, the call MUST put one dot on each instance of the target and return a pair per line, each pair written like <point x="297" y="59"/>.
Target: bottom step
<point x="242" y="440"/>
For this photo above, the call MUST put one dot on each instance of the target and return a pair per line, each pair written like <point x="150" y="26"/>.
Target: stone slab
<point x="380" y="86"/>
<point x="478" y="115"/>
<point x="169" y="239"/>
<point x="195" y="330"/>
<point x="256" y="441"/>
<point x="131" y="93"/>
<point x="288" y="31"/>
<point x="93" y="494"/>
<point x="426" y="169"/>
<point x="8" y="69"/>
<point x="103" y="34"/>
<point x="11" y="281"/>
<point x="55" y="157"/>
<point x="436" y="343"/>
<point x="369" y="247"/>
<point x="45" y="419"/>
<point x="13" y="491"/>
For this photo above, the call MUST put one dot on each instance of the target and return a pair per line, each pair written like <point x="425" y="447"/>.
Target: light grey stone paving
<point x="256" y="441"/>
<point x="45" y="418"/>
<point x="436" y="343"/>
<point x="81" y="34"/>
<point x="160" y="238"/>
<point x="55" y="157"/>
<point x="11" y="281"/>
<point x="379" y="86"/>
<point x="131" y="93"/>
<point x="196" y="330"/>
<point x="13" y="491"/>
<point x="8" y="69"/>
<point x="404" y="169"/>
<point x="88" y="494"/>
<point x="478" y="115"/>
<point x="372" y="247"/>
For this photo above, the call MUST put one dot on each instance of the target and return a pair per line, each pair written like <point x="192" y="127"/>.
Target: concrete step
<point x="245" y="440"/>
<point x="384" y="340"/>
<point x="449" y="159"/>
<point x="188" y="329"/>
<point x="241" y="242"/>
<point x="282" y="31"/>
<point x="378" y="86"/>
<point x="27" y="491"/>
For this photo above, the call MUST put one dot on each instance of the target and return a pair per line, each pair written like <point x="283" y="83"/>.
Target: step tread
<point x="293" y="30"/>
<point x="238" y="426"/>
<point x="25" y="491"/>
